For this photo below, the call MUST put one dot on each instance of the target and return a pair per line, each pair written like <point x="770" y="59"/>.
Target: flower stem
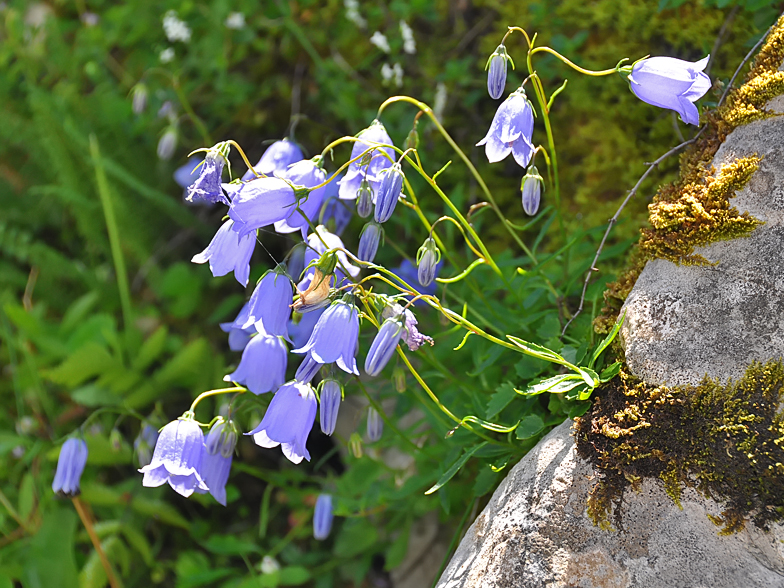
<point x="88" y="525"/>
<point x="203" y="395"/>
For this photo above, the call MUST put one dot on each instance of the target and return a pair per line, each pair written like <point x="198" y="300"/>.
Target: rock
<point x="683" y="322"/>
<point x="534" y="533"/>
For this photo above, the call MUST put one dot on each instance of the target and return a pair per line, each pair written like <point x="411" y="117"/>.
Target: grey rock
<point x="535" y="533"/>
<point x="683" y="322"/>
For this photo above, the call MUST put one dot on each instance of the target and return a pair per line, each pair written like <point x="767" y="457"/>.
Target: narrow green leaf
<point x="455" y="467"/>
<point x="610" y="372"/>
<point x="555" y="385"/>
<point x="607" y="340"/>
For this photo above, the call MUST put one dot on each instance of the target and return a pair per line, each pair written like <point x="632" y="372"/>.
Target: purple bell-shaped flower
<point x="207" y="187"/>
<point x="369" y="241"/>
<point x="228" y="252"/>
<point x="511" y="130"/>
<point x="216" y="461"/>
<point x="496" y="72"/>
<point x="388" y="193"/>
<point x="259" y="203"/>
<point x="276" y="159"/>
<point x="335" y="336"/>
<point x="269" y="307"/>
<point x="306" y="173"/>
<point x="364" y="169"/>
<point x="263" y="364"/>
<point x="383" y="346"/>
<point x="322" y="517"/>
<point x="70" y="465"/>
<point x="331" y="394"/>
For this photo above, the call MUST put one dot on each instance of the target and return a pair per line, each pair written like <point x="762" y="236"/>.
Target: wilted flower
<point x="428" y="257"/>
<point x="216" y="461"/>
<point x="184" y="175"/>
<point x="207" y="187"/>
<point x="239" y="336"/>
<point x="316" y="295"/>
<point x="167" y="143"/>
<point x="335" y="336"/>
<point x="383" y="346"/>
<point x="269" y="307"/>
<point x="361" y="169"/>
<point x="139" y="98"/>
<point x="388" y="193"/>
<point x="288" y="421"/>
<point x="228" y="252"/>
<point x="276" y="159"/>
<point x="531" y="187"/>
<point x="318" y="244"/>
<point x="70" y="465"/>
<point x="496" y="74"/>
<point x="375" y="425"/>
<point x="260" y="202"/>
<point x="263" y="364"/>
<point x="144" y="444"/>
<point x="307" y="370"/>
<point x="369" y="240"/>
<point x="671" y="83"/>
<point x="177" y="458"/>
<point x="511" y="130"/>
<point x="322" y="517"/>
<point x="331" y="394"/>
<point x="411" y="335"/>
<point x="309" y="174"/>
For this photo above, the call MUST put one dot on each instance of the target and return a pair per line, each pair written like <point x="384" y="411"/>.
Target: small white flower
<point x="167" y="143"/>
<point x="352" y="13"/>
<point x="379" y="40"/>
<point x="409" y="44"/>
<point x="167" y="55"/>
<point x="175" y="29"/>
<point x="235" y="20"/>
<point x="89" y="19"/>
<point x="269" y="565"/>
<point x="392" y="74"/>
<point x="439" y="102"/>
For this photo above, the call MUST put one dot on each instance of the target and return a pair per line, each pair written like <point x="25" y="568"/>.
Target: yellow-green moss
<point x="695" y="210"/>
<point x="727" y="441"/>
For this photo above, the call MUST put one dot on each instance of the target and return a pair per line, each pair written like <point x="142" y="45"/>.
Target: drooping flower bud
<point x="388" y="193"/>
<point x="139" y="98"/>
<point x="70" y="465"/>
<point x="428" y="257"/>
<point x="375" y="426"/>
<point x="369" y="240"/>
<point x="222" y="438"/>
<point x="322" y="517"/>
<point x="383" y="346"/>
<point x="331" y="395"/>
<point x="167" y="143"/>
<point x="365" y="199"/>
<point x="216" y="461"/>
<point x="412" y="140"/>
<point x="531" y="187"/>
<point x="496" y="74"/>
<point x="307" y="370"/>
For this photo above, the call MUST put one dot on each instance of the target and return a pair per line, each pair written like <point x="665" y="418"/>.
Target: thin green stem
<point x="587" y="72"/>
<point x="203" y="395"/>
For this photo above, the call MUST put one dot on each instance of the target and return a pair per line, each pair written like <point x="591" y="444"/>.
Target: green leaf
<point x="86" y="362"/>
<point x="396" y="552"/>
<point x="160" y="510"/>
<point x="610" y="372"/>
<point x="229" y="545"/>
<point x="503" y="395"/>
<point x="356" y="536"/>
<point x="455" y="467"/>
<point x="537" y="350"/>
<point x="529" y="426"/>
<point x="151" y="349"/>
<point x="589" y="376"/>
<point x="53" y="544"/>
<point x="293" y="576"/>
<point x="555" y="385"/>
<point x="485" y="480"/>
<point x="607" y="340"/>
<point x="26" y="496"/>
<point x="578" y="409"/>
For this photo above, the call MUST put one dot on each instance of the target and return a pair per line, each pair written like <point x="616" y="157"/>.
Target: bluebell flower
<point x="288" y="421"/>
<point x="301" y="326"/>
<point x="276" y="159"/>
<point x="260" y="203"/>
<point x="428" y="257"/>
<point x="322" y="517"/>
<point x="670" y="83"/>
<point x="335" y="337"/>
<point x="375" y="425"/>
<point x="177" y="458"/>
<point x="409" y="273"/>
<point x="144" y="444"/>
<point x="239" y="336"/>
<point x="496" y="74"/>
<point x="383" y="346"/>
<point x="207" y="187"/>
<point x="331" y="395"/>
<point x="369" y="240"/>
<point x="337" y="213"/>
<point x="531" y="187"/>
<point x="263" y="364"/>
<point x="411" y="335"/>
<point x="317" y="248"/>
<point x="269" y="307"/>
<point x="168" y="143"/>
<point x="185" y="175"/>
<point x="365" y="199"/>
<point x="70" y="465"/>
<point x="511" y="130"/>
<point x="388" y="193"/>
<point x="218" y="455"/>
<point x="361" y="169"/>
<point x="309" y="174"/>
<point x="139" y="95"/>
<point x="307" y="370"/>
<point x="229" y="252"/>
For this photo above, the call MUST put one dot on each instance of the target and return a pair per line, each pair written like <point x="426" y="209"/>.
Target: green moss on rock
<point x="726" y="441"/>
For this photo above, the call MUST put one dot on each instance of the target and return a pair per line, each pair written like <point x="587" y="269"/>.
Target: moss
<point x="726" y="441"/>
<point x="695" y="210"/>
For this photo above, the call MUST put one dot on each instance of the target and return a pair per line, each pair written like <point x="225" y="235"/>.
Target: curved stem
<point x="88" y="525"/>
<point x="587" y="72"/>
<point x="203" y="395"/>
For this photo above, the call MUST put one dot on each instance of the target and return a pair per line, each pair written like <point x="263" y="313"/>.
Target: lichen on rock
<point x="724" y="440"/>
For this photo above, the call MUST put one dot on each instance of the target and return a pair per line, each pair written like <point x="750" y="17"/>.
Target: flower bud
<point x="144" y="444"/>
<point x="531" y="187"/>
<point x="412" y="140"/>
<point x="428" y="257"/>
<point x="364" y="199"/>
<point x="70" y="465"/>
<point x="388" y="193"/>
<point x="399" y="379"/>
<point x="322" y="517"/>
<point x="139" y="98"/>
<point x="331" y="395"/>
<point x="307" y="370"/>
<point x="368" y="241"/>
<point x="167" y="143"/>
<point x="383" y="346"/>
<point x="355" y="445"/>
<point x="496" y="75"/>
<point x="222" y="438"/>
<point x="375" y="426"/>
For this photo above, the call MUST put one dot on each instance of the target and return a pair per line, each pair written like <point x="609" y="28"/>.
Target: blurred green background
<point x="72" y="343"/>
